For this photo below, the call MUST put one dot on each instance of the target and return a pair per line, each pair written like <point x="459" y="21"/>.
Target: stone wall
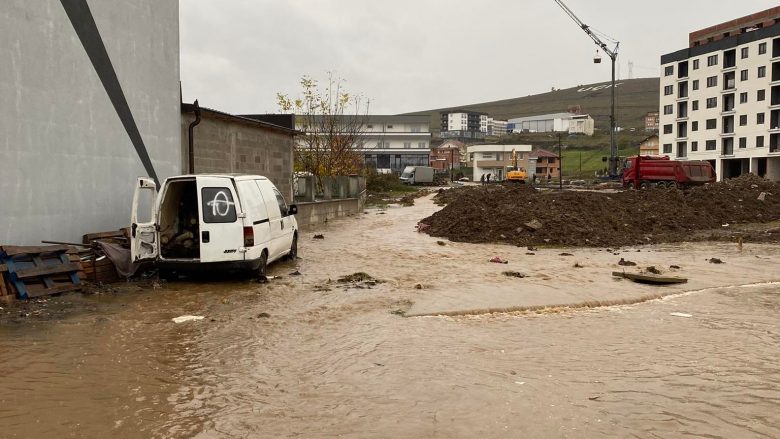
<point x="318" y="212"/>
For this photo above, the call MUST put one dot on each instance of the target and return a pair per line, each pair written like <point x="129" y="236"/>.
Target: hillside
<point x="634" y="98"/>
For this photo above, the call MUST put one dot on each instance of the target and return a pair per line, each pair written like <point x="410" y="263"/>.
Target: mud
<point x="301" y="356"/>
<point x="524" y="216"/>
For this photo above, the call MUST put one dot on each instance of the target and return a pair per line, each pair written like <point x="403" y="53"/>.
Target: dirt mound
<point x="523" y="216"/>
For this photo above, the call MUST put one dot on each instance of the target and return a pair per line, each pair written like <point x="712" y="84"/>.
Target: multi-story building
<point x="446" y="157"/>
<point x="495" y="127"/>
<point x="649" y="146"/>
<point x="387" y="142"/>
<point x="496" y="160"/>
<point x="464" y="125"/>
<point x="548" y="166"/>
<point x="720" y="97"/>
<point x="651" y="121"/>
<point x="555" y="122"/>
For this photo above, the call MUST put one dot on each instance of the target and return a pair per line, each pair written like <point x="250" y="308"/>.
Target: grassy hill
<point x="634" y="98"/>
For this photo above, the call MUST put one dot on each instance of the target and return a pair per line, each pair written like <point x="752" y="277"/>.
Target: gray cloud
<point x="413" y="55"/>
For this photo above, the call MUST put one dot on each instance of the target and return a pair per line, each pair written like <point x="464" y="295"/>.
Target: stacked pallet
<point x="38" y="271"/>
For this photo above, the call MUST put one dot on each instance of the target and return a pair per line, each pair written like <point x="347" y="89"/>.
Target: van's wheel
<point x="293" y="248"/>
<point x="260" y="272"/>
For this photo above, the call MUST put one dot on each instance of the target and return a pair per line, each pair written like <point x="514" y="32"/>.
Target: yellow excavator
<point x="516" y="175"/>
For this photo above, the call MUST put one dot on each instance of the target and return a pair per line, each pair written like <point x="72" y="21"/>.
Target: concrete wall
<point x="67" y="164"/>
<point x="319" y="212"/>
<point x="234" y="146"/>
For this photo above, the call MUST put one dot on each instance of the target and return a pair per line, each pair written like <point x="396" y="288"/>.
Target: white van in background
<point x="217" y="221"/>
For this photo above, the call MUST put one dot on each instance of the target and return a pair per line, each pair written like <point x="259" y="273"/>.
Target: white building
<point x="720" y="99"/>
<point x="496" y="160"/>
<point x="390" y="142"/>
<point x="462" y="124"/>
<point x="555" y="122"/>
<point x="495" y="127"/>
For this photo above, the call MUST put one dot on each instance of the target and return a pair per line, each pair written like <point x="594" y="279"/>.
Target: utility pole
<point x="560" y="163"/>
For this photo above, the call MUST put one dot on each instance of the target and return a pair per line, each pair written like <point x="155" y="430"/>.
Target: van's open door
<point x="144" y="239"/>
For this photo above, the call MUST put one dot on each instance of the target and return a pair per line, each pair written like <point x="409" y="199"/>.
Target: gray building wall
<point x="67" y="165"/>
<point x="229" y="145"/>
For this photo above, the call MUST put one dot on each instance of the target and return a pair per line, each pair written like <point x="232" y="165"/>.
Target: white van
<point x="214" y="221"/>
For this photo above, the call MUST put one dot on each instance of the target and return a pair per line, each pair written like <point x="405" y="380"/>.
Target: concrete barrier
<point x="318" y="212"/>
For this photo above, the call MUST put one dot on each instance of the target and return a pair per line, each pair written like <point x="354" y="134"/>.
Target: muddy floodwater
<point x="575" y="354"/>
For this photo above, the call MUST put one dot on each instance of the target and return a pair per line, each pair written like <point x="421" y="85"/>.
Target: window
<point x="743" y="75"/>
<point x="712" y="102"/>
<point x="712" y="81"/>
<point x="217" y="205"/>
<point x="743" y="120"/>
<point x="694" y="146"/>
<point x="407" y="145"/>
<point x="761" y="95"/>
<point x="743" y="142"/>
<point x="667" y="148"/>
<point x="744" y="52"/>
<point x="389" y="127"/>
<point x="712" y="60"/>
<point x="760" y="118"/>
<point x="695" y="126"/>
<point x="762" y="48"/>
<point x="669" y="89"/>
<point x="668" y="129"/>
<point x="416" y="128"/>
<point x="696" y="84"/>
<point x="369" y="126"/>
<point x="710" y="145"/>
<point x="762" y="71"/>
<point x="282" y="204"/>
<point x="379" y="144"/>
<point x="695" y="105"/>
<point x="712" y="124"/>
<point x="668" y="70"/>
<point x="668" y="109"/>
<point x="422" y="145"/>
<point x="759" y="141"/>
<point x="696" y="64"/>
<point x="487" y="155"/>
<point x="743" y="98"/>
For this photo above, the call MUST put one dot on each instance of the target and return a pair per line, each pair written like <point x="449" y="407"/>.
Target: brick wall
<point x="225" y="146"/>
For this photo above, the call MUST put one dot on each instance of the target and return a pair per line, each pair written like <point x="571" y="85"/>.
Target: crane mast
<point x="612" y="53"/>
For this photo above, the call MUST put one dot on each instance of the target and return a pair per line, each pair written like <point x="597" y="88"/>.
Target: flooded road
<point x="304" y="357"/>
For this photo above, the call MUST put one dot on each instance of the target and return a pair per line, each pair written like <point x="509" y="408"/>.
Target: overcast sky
<point x="411" y="55"/>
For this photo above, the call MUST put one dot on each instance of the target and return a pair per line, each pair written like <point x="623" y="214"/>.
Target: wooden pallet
<point x="40" y="271"/>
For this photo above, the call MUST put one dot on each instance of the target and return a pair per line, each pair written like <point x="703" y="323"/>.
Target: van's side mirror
<point x="292" y="210"/>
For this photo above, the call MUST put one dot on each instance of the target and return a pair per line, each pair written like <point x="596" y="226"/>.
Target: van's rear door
<point x="221" y="229"/>
<point x="144" y="238"/>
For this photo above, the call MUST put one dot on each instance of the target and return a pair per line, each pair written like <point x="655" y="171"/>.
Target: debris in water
<point x="565" y="254"/>
<point x="441" y="243"/>
<point x="319" y="236"/>
<point x="532" y="248"/>
<point x="626" y="263"/>
<point x="715" y="261"/>
<point x="514" y="274"/>
<point x="498" y="260"/>
<point x="652" y="279"/>
<point x="578" y="265"/>
<point x="418" y="287"/>
<point x="674" y="267"/>
<point x="530" y="254"/>
<point x="187" y="318"/>
<point x="421" y="227"/>
<point x="398" y="312"/>
<point x="295" y="273"/>
<point x="594" y="398"/>
<point x="263" y="315"/>
<point x="652" y="269"/>
<point x="680" y="314"/>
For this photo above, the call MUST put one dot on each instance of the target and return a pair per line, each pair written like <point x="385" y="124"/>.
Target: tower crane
<point x="613" y="54"/>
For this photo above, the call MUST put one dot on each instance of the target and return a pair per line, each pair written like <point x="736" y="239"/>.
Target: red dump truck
<point x="659" y="171"/>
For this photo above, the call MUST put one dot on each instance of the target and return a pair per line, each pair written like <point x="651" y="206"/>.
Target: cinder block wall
<point x="223" y="146"/>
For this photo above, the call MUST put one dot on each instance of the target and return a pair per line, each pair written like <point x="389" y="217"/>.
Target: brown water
<point x="334" y="362"/>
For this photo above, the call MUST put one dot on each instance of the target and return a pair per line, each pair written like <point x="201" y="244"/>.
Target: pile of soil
<point x="524" y="216"/>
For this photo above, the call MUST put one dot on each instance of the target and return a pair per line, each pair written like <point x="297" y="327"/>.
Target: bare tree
<point x="333" y="122"/>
